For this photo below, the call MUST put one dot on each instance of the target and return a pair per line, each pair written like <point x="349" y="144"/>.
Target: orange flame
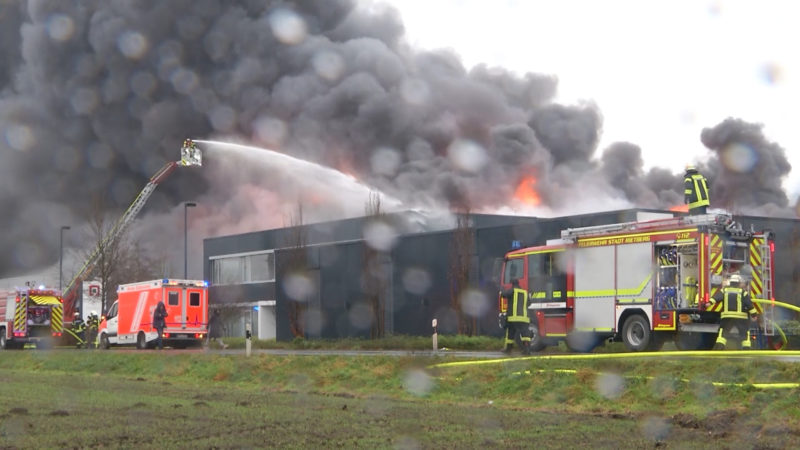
<point x="679" y="208"/>
<point x="526" y="191"/>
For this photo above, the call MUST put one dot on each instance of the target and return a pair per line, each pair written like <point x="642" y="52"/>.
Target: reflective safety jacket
<point x="736" y="303"/>
<point x="517" y="305"/>
<point x="695" y="190"/>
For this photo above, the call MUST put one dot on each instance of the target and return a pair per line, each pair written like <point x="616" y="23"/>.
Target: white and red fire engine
<point x="640" y="282"/>
<point x="129" y="320"/>
<point x="30" y="315"/>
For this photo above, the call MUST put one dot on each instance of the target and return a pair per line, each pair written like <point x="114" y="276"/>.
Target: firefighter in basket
<point x="514" y="318"/>
<point x="92" y="324"/>
<point x="78" y="330"/>
<point x="736" y="308"/>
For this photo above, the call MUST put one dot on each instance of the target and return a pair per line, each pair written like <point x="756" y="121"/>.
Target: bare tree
<point x="461" y="255"/>
<point x="116" y="259"/>
<point x="374" y="280"/>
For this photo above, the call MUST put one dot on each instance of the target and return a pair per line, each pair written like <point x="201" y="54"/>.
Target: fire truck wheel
<point x="636" y="333"/>
<point x="141" y="341"/>
<point x="104" y="341"/>
<point x="3" y="342"/>
<point x="537" y="341"/>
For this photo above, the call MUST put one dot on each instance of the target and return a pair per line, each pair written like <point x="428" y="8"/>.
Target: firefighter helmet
<point x="691" y="168"/>
<point x="94" y="313"/>
<point x="736" y="278"/>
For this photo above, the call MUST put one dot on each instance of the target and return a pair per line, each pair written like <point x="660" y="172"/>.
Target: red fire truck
<point x="30" y="315"/>
<point x="129" y="320"/>
<point x="642" y="283"/>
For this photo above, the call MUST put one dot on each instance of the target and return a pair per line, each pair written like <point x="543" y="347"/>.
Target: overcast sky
<point x="660" y="71"/>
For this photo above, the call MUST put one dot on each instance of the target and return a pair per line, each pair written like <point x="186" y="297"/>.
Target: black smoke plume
<point x="96" y="95"/>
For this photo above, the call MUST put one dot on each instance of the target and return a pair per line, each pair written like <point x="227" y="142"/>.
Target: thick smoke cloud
<point x="748" y="169"/>
<point x="95" y="96"/>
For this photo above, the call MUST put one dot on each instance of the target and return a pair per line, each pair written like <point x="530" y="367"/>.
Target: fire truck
<point x="30" y="315"/>
<point x="643" y="283"/>
<point x="190" y="156"/>
<point x="129" y="320"/>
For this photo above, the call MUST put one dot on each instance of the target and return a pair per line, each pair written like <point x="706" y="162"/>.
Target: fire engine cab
<point x="641" y="283"/>
<point x="129" y="320"/>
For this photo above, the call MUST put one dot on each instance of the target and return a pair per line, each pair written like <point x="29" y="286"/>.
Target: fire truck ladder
<point x="190" y="156"/>
<point x="658" y="224"/>
<point x="767" y="292"/>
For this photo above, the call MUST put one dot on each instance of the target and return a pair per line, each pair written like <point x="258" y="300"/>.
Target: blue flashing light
<point x="255" y="308"/>
<point x="515" y="245"/>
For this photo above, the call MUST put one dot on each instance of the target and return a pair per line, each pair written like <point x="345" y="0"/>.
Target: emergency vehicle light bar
<point x="171" y="282"/>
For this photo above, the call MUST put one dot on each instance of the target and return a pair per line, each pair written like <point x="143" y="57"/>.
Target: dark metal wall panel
<point x="414" y="309"/>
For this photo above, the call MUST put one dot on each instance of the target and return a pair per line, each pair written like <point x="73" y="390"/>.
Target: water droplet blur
<point x="84" y="100"/>
<point x="19" y="137"/>
<point x="416" y="281"/>
<point x="314" y="320"/>
<point x="415" y="91"/>
<point x="663" y="387"/>
<point x="328" y="65"/>
<point x="298" y="287"/>
<point x="360" y="316"/>
<point x="60" y="27"/>
<point x="771" y="73"/>
<point x="406" y="442"/>
<point x="287" y="26"/>
<point x="739" y="157"/>
<point x="132" y="44"/>
<point x="380" y="235"/>
<point x="99" y="156"/>
<point x="385" y="161"/>
<point x="474" y="302"/>
<point x="609" y="385"/>
<point x="222" y="118"/>
<point x="655" y="428"/>
<point x="143" y="83"/>
<point x="467" y="155"/>
<point x="27" y="254"/>
<point x="417" y="382"/>
<point x="271" y="130"/>
<point x="184" y="81"/>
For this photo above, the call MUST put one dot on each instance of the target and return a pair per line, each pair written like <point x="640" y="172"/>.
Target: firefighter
<point x="516" y="318"/>
<point x="695" y="190"/>
<point x="92" y="324"/>
<point x="79" y="329"/>
<point x="737" y="308"/>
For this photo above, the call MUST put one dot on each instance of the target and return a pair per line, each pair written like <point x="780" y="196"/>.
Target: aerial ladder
<point x="190" y="156"/>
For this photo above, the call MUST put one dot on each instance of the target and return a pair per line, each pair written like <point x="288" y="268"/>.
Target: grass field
<point x="153" y="399"/>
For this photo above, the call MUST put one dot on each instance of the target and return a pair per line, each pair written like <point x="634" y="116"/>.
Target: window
<point x="514" y="269"/>
<point x="243" y="268"/>
<point x="174" y="298"/>
<point x="194" y="299"/>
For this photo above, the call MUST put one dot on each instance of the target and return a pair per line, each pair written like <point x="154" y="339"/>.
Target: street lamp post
<point x="61" y="253"/>
<point x="186" y="206"/>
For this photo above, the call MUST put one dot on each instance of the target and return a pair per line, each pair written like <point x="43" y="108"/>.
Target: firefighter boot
<point x="721" y="341"/>
<point x="746" y="341"/>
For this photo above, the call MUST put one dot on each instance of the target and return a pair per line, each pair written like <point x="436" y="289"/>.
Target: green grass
<point x="170" y="399"/>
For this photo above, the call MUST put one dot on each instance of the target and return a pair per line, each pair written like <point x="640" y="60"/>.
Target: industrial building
<point x="336" y="279"/>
